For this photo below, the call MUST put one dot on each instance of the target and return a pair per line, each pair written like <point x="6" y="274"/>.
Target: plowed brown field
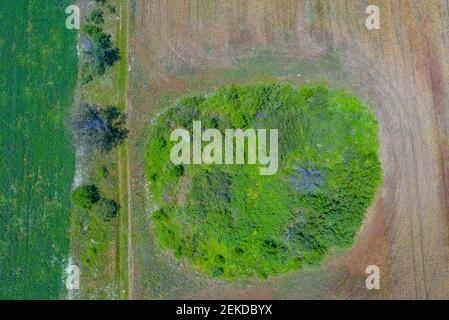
<point x="401" y="71"/>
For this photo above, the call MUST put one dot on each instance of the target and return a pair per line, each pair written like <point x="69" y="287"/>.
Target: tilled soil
<point x="401" y="71"/>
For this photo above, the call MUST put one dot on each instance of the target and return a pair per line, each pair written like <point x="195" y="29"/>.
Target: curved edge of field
<point x="401" y="70"/>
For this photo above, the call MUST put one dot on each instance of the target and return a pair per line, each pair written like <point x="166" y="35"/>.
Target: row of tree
<point x="100" y="52"/>
<point x="94" y="128"/>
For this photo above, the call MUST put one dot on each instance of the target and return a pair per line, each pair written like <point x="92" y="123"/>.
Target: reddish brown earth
<point x="402" y="71"/>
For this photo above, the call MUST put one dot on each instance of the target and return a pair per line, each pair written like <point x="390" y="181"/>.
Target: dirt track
<point x="402" y="70"/>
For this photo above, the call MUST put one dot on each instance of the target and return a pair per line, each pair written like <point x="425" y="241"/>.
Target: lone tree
<point x="85" y="197"/>
<point x="99" y="128"/>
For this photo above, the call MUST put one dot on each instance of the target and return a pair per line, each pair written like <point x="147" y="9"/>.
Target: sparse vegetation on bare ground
<point x="98" y="127"/>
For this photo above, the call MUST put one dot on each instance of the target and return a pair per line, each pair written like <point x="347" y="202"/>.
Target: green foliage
<point x="87" y="74"/>
<point x="85" y="197"/>
<point x="230" y="221"/>
<point x="112" y="9"/>
<point x="100" y="128"/>
<point x="106" y="209"/>
<point x="103" y="55"/>
<point x="102" y="172"/>
<point x="97" y="16"/>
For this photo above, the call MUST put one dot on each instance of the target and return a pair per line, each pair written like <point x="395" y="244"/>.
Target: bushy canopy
<point x="103" y="55"/>
<point x="98" y="128"/>
<point x="85" y="197"/>
<point x="230" y="221"/>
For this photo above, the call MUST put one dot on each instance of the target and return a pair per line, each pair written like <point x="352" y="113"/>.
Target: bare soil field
<point x="402" y="72"/>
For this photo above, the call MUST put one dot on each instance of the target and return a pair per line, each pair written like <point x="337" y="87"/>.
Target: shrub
<point x="102" y="172"/>
<point x="85" y="197"/>
<point x="104" y="54"/>
<point x="106" y="209"/>
<point x="306" y="180"/>
<point x="112" y="9"/>
<point x="97" y="16"/>
<point x="102" y="129"/>
<point x="87" y="74"/>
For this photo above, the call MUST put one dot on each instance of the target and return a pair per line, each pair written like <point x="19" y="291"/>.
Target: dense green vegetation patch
<point x="232" y="222"/>
<point x="38" y="73"/>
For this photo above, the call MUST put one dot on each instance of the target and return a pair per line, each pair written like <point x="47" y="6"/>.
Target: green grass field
<point x="38" y="66"/>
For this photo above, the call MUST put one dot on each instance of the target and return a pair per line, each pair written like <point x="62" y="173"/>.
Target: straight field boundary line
<point x="122" y="161"/>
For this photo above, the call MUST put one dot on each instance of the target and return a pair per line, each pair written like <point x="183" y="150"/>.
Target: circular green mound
<point x="230" y="221"/>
